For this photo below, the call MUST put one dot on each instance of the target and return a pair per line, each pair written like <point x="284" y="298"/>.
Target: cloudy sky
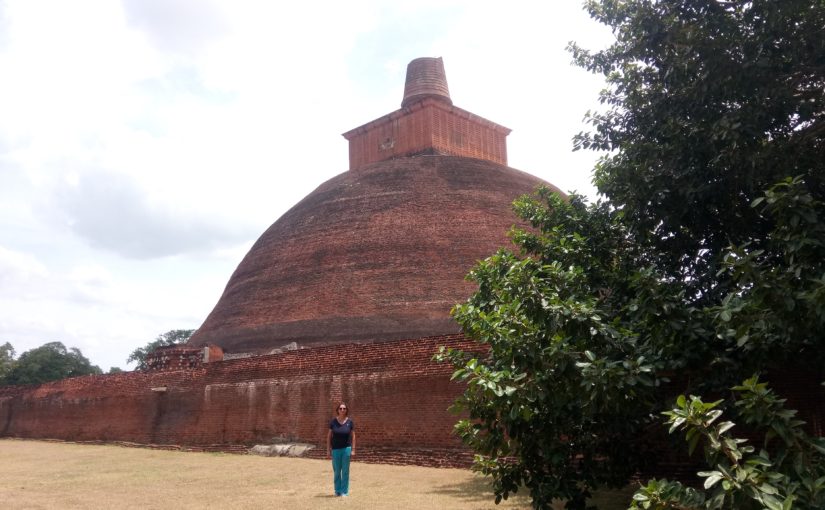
<point x="145" y="144"/>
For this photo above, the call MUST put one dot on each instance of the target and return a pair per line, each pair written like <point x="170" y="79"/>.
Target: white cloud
<point x="92" y="283"/>
<point x="177" y="26"/>
<point x="110" y="211"/>
<point x="145" y="144"/>
<point x="18" y="268"/>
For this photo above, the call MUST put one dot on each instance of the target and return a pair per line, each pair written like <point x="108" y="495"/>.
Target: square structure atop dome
<point x="427" y="124"/>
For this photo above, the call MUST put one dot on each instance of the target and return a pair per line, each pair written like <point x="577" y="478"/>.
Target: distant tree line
<point x="53" y="361"/>
<point x="49" y="362"/>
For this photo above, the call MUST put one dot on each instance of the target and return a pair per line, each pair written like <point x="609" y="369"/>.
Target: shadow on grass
<point x="613" y="499"/>
<point x="478" y="491"/>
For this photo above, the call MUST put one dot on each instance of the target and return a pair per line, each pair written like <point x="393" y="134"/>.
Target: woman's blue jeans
<point x="340" y="470"/>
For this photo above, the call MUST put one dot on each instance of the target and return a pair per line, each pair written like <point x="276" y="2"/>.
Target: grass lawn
<point x="37" y="474"/>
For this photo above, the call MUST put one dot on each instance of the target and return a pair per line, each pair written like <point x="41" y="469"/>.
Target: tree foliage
<point x="49" y="362"/>
<point x="708" y="104"/>
<point x="787" y="472"/>
<point x="705" y="266"/>
<point x="584" y="339"/>
<point x="561" y="403"/>
<point x="171" y="337"/>
<point x="6" y="360"/>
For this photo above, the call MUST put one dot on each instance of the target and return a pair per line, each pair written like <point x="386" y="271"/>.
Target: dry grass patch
<point x="36" y="474"/>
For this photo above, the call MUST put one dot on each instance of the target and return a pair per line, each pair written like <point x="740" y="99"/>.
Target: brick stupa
<point x="379" y="252"/>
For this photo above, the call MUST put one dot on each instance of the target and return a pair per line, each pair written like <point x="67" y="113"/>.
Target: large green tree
<point x="6" y="360"/>
<point x="171" y="337"/>
<point x="705" y="265"/>
<point x="49" y="362"/>
<point x="708" y="103"/>
<point x="561" y="402"/>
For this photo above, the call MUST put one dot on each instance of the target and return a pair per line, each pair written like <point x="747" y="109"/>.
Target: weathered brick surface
<point x="377" y="254"/>
<point x="175" y="358"/>
<point x="418" y="456"/>
<point x="398" y="397"/>
<point x="426" y="77"/>
<point x="429" y="126"/>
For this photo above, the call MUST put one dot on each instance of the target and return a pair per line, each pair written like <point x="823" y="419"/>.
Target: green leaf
<point x="758" y="461"/>
<point x="676" y="423"/>
<point x="768" y="489"/>
<point x="771" y="502"/>
<point x="692" y="443"/>
<point x="712" y="478"/>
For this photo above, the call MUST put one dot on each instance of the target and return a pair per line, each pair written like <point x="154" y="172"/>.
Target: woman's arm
<point x="352" y="452"/>
<point x="329" y="442"/>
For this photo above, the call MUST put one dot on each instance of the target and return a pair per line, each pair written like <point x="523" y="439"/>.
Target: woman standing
<point x="341" y="446"/>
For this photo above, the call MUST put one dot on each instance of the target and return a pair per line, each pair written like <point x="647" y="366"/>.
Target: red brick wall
<point x="462" y="135"/>
<point x="397" y="395"/>
<point x="429" y="126"/>
<point x="398" y="399"/>
<point x="174" y="357"/>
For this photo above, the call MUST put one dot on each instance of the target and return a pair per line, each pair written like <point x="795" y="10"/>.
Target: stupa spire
<point x="426" y="78"/>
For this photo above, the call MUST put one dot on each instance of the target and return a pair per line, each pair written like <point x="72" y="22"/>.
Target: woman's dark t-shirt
<point x="341" y="433"/>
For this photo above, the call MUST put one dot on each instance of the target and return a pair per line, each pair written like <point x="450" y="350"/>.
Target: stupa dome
<point x="379" y="252"/>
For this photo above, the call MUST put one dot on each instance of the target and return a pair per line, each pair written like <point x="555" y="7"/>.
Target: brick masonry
<point x="371" y="255"/>
<point x="398" y="397"/>
<point x="429" y="126"/>
<point x="380" y="252"/>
